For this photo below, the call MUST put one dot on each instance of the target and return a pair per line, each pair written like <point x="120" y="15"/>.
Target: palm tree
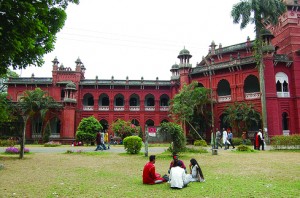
<point x="31" y="104"/>
<point x="258" y="12"/>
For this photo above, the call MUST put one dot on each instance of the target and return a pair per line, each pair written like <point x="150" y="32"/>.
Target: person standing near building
<point x="244" y="137"/>
<point x="106" y="139"/>
<point x="261" y="140"/>
<point x="225" y="139"/>
<point x="218" y="138"/>
<point x="149" y="174"/>
<point x="230" y="137"/>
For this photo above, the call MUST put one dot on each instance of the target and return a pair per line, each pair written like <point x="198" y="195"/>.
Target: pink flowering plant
<point x="14" y="150"/>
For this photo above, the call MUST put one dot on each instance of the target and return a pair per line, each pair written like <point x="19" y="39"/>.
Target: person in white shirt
<point x="261" y="140"/>
<point x="225" y="138"/>
<point x="196" y="174"/>
<point x="177" y="178"/>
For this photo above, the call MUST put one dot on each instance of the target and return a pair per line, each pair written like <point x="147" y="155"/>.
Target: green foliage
<point x="132" y="144"/>
<point x="28" y="31"/>
<point x="241" y="115"/>
<point x="177" y="137"/>
<point x="195" y="150"/>
<point x="190" y="105"/>
<point x="244" y="148"/>
<point x="239" y="141"/>
<point x="4" y="77"/>
<point x="7" y="142"/>
<point x="286" y="142"/>
<point x="87" y="129"/>
<point x="124" y="128"/>
<point x="6" y="108"/>
<point x="200" y="143"/>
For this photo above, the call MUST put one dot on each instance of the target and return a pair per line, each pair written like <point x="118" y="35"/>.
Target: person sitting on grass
<point x="196" y="174"/>
<point x="177" y="178"/>
<point x="149" y="174"/>
<point x="178" y="162"/>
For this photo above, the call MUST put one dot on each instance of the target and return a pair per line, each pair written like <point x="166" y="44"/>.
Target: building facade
<point x="232" y="70"/>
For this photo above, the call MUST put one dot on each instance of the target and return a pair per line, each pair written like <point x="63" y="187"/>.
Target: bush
<point x="87" y="129"/>
<point x="8" y="142"/>
<point x="132" y="144"/>
<point x="85" y="137"/>
<point x="14" y="150"/>
<point x="52" y="144"/>
<point x="286" y="142"/>
<point x="244" y="148"/>
<point x="195" y="150"/>
<point x="200" y="143"/>
<point x="239" y="141"/>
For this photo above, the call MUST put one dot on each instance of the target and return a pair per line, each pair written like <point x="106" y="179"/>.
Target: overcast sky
<point x="138" y="38"/>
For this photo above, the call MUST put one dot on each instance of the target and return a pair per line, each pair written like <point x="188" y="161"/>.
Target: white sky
<point x="138" y="38"/>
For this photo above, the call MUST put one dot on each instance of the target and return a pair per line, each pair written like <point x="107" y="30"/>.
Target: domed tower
<point x="175" y="72"/>
<point x="69" y="93"/>
<point x="184" y="66"/>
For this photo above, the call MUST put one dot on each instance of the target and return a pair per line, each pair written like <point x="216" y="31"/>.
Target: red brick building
<point x="145" y="102"/>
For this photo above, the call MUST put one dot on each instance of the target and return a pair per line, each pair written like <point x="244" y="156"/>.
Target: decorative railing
<point x="103" y="108"/>
<point x="134" y="108"/>
<point x="286" y="132"/>
<point x="224" y="98"/>
<point x="164" y="108"/>
<point x="119" y="108"/>
<point x="253" y="95"/>
<point x="54" y="135"/>
<point x="88" y="108"/>
<point x="72" y="100"/>
<point x="36" y="135"/>
<point x="149" y="108"/>
<point x="283" y="94"/>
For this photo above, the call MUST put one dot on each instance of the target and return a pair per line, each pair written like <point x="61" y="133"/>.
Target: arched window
<point x="134" y="100"/>
<point x="135" y="122"/>
<point x="150" y="122"/>
<point x="224" y="91"/>
<point x="103" y="100"/>
<point x="149" y="100"/>
<point x="164" y="100"/>
<point x="282" y="85"/>
<point x="251" y="84"/>
<point x="119" y="100"/>
<point x="104" y="124"/>
<point x="88" y="100"/>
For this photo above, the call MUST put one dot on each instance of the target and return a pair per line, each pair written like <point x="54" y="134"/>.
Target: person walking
<point x="230" y="137"/>
<point x="218" y="138"/>
<point x="98" y="142"/>
<point x="244" y="137"/>
<point x="261" y="140"/>
<point x="225" y="139"/>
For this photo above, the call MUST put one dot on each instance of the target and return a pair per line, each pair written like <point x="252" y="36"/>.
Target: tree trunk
<point x="22" y="143"/>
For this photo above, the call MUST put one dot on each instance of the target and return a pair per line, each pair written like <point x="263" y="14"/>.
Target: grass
<point x="108" y="174"/>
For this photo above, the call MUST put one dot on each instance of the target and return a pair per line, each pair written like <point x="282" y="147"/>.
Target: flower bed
<point x="14" y="150"/>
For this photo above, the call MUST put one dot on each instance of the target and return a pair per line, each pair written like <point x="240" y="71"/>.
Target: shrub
<point x="200" y="143"/>
<point x="132" y="144"/>
<point x="87" y="129"/>
<point x="8" y="142"/>
<point x="286" y="142"/>
<point x="244" y="148"/>
<point x="52" y="144"/>
<point x="14" y="150"/>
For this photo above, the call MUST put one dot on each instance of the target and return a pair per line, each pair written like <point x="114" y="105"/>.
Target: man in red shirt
<point x="149" y="174"/>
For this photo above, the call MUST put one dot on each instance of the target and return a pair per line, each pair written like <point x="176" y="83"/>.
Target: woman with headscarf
<point x="196" y="174"/>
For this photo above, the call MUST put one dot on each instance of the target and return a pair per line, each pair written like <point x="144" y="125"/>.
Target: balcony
<point x="134" y="108"/>
<point x="149" y="108"/>
<point x="253" y="95"/>
<point x="119" y="108"/>
<point x="54" y="135"/>
<point x="36" y="135"/>
<point x="164" y="108"/>
<point x="103" y="108"/>
<point x="224" y="98"/>
<point x="88" y="108"/>
<point x="283" y="94"/>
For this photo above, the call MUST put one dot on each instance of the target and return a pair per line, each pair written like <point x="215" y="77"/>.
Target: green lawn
<point x="105" y="174"/>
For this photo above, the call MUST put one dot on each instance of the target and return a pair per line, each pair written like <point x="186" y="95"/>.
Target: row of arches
<point x="119" y="100"/>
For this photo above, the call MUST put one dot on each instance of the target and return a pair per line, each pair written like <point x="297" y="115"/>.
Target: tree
<point x="5" y="77"/>
<point x="176" y="132"/>
<point x="87" y="129"/>
<point x="262" y="11"/>
<point x="28" y="30"/>
<point x="6" y="108"/>
<point x="240" y="116"/>
<point x="31" y="104"/>
<point x="190" y="105"/>
<point x="124" y="128"/>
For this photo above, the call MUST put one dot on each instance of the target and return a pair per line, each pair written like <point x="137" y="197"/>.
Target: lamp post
<point x="214" y="150"/>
